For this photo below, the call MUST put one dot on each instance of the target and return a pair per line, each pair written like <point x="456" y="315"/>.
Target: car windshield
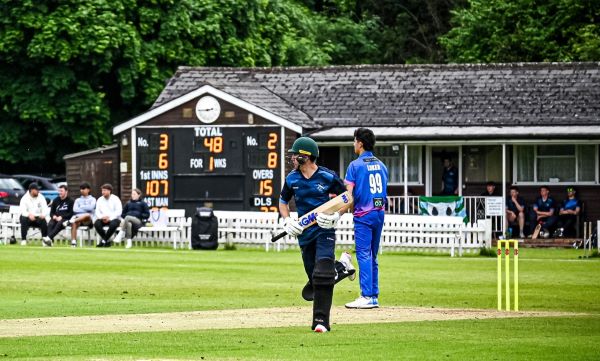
<point x="10" y="183"/>
<point x="48" y="186"/>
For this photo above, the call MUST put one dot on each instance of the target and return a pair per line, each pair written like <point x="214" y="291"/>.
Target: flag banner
<point x="452" y="206"/>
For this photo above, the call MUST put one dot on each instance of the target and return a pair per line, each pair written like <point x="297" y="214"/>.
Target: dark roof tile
<point x="459" y="94"/>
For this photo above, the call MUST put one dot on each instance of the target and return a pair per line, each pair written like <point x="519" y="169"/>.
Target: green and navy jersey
<point x="370" y="177"/>
<point x="511" y="206"/>
<point x="544" y="205"/>
<point x="309" y="194"/>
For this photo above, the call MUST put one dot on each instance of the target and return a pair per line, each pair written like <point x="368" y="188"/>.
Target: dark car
<point x="48" y="189"/>
<point x="11" y="192"/>
<point x="59" y="180"/>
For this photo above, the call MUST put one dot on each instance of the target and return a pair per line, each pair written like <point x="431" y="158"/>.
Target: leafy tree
<point x="401" y="31"/>
<point x="72" y="69"/>
<point x="409" y="28"/>
<point x="525" y="31"/>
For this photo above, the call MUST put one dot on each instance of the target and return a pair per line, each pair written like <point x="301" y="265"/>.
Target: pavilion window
<point x="556" y="163"/>
<point x="394" y="162"/>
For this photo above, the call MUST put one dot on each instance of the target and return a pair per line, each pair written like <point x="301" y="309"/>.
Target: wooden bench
<point x="80" y="234"/>
<point x="10" y="224"/>
<point x="246" y="227"/>
<point x="178" y="229"/>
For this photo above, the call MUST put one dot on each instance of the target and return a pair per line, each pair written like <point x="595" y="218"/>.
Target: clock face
<point x="208" y="109"/>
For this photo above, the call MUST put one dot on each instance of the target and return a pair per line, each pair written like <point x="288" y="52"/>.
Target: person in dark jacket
<point x="135" y="213"/>
<point x="61" y="210"/>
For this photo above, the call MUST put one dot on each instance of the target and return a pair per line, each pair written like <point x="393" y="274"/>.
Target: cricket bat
<point x="536" y="232"/>
<point x="344" y="200"/>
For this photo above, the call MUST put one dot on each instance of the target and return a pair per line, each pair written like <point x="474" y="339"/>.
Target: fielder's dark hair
<point x="107" y="186"/>
<point x="546" y="187"/>
<point x="490" y="183"/>
<point x="85" y="185"/>
<point x="366" y="137"/>
<point x="63" y="187"/>
<point x="33" y="186"/>
<point x="515" y="188"/>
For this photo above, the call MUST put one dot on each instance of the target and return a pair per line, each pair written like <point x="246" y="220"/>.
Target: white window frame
<point x="344" y="163"/>
<point x="535" y="170"/>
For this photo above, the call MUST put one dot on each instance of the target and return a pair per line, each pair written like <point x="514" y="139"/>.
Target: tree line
<point x="72" y="69"/>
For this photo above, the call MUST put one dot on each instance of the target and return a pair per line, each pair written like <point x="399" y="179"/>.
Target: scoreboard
<point x="234" y="167"/>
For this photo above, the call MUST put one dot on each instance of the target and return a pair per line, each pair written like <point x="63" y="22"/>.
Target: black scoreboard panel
<point x="223" y="188"/>
<point x="235" y="168"/>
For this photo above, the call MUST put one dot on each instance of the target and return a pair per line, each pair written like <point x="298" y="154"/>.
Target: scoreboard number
<point x="154" y="168"/>
<point x="153" y="187"/>
<point x="219" y="164"/>
<point x="214" y="144"/>
<point x="266" y="187"/>
<point x="264" y="161"/>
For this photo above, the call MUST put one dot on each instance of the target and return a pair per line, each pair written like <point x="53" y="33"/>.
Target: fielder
<point x="366" y="178"/>
<point x="310" y="186"/>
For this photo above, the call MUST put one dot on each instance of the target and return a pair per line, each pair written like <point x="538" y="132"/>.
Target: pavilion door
<point x="436" y="167"/>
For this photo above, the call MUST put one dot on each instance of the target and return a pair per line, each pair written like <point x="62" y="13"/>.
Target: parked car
<point x="48" y="189"/>
<point x="59" y="181"/>
<point x="11" y="192"/>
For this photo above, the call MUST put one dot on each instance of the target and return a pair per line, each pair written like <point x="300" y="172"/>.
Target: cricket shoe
<point x="73" y="243"/>
<point x="119" y="236"/>
<point x="46" y="241"/>
<point x="128" y="243"/>
<point x="320" y="329"/>
<point x="558" y="233"/>
<point x="346" y="260"/>
<point x="363" y="303"/>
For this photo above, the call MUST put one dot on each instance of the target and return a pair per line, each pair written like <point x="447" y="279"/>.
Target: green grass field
<point x="41" y="282"/>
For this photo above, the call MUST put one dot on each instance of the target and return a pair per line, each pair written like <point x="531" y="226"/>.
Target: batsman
<point x="311" y="185"/>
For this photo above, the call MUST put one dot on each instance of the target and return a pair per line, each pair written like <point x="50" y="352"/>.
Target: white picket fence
<point x="474" y="205"/>
<point x="400" y="232"/>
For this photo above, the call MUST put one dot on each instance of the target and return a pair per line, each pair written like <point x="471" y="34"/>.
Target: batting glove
<point x="328" y="220"/>
<point x="292" y="227"/>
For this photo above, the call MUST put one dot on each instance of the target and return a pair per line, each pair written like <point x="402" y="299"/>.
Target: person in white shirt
<point x="34" y="210"/>
<point x="83" y="211"/>
<point x="108" y="213"/>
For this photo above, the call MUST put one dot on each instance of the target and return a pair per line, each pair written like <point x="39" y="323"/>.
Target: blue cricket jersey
<point x="570" y="204"/>
<point x="309" y="194"/>
<point x="370" y="177"/>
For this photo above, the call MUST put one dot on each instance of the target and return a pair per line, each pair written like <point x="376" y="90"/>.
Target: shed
<point x="95" y="166"/>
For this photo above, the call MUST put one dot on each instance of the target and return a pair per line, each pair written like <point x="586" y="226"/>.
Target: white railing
<point x="475" y="206"/>
<point x="257" y="228"/>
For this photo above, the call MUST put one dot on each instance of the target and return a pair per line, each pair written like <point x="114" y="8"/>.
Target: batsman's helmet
<point x="305" y="146"/>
